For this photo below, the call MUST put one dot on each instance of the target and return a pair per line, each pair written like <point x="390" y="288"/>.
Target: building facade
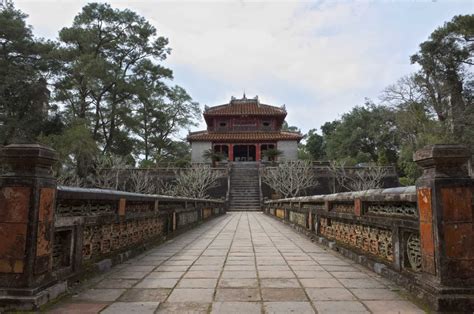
<point x="243" y="130"/>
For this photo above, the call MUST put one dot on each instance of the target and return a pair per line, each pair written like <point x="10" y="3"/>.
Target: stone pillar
<point x="446" y="210"/>
<point x="258" y="152"/>
<point x="231" y="152"/>
<point x="27" y="204"/>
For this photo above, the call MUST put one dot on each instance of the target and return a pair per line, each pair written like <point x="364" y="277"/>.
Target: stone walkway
<point x="239" y="263"/>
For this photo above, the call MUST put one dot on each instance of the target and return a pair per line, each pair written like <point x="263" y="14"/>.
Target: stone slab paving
<point x="243" y="262"/>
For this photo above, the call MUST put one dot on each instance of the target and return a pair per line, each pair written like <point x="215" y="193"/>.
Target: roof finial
<point x="244" y="95"/>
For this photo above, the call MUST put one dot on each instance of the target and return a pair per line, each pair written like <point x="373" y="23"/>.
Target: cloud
<point x="319" y="58"/>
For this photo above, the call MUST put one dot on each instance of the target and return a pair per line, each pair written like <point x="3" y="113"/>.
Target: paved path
<point x="240" y="263"/>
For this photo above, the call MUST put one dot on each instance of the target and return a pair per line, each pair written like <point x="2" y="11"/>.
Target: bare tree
<point x="192" y="182"/>
<point x="290" y="178"/>
<point x="353" y="179"/>
<point x="106" y="173"/>
<point x="70" y="179"/>
<point x="141" y="181"/>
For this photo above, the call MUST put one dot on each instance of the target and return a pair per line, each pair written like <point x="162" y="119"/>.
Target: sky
<point x="319" y="58"/>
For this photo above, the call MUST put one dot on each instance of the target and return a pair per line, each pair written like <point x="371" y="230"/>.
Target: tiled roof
<point x="244" y="106"/>
<point x="243" y="136"/>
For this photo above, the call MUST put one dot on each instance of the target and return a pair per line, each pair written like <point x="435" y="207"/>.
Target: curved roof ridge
<point x="247" y="106"/>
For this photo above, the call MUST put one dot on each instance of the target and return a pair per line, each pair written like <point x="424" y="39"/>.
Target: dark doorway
<point x="244" y="153"/>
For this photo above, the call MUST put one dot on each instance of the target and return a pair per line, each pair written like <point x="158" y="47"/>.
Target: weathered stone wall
<point x="421" y="237"/>
<point x="105" y="222"/>
<point x="197" y="149"/>
<point x="52" y="234"/>
<point x="289" y="149"/>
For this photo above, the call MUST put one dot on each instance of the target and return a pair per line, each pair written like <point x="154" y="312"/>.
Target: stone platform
<point x="243" y="262"/>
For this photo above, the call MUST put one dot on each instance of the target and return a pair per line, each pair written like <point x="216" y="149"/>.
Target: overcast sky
<point x="318" y="58"/>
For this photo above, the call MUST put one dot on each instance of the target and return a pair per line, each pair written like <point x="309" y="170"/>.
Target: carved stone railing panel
<point x="298" y="218"/>
<point x="104" y="239"/>
<point x="372" y="240"/>
<point x="392" y="209"/>
<point x="187" y="218"/>
<point x="343" y="208"/>
<point x="413" y="251"/>
<point x="85" y="208"/>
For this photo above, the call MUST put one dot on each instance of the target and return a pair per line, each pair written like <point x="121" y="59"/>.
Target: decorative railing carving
<point x="376" y="241"/>
<point x="413" y="251"/>
<point x="187" y="218"/>
<point x="372" y="222"/>
<point x="85" y="208"/>
<point x="343" y="208"/>
<point x="298" y="218"/>
<point x="104" y="239"/>
<point x="393" y="209"/>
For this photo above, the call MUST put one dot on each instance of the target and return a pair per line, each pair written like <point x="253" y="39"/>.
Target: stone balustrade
<point x="52" y="234"/>
<point x="420" y="236"/>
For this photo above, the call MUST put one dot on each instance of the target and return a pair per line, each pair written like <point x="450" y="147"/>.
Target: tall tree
<point x="446" y="61"/>
<point x="24" y="69"/>
<point x="315" y="145"/>
<point x="160" y="113"/>
<point x="366" y="134"/>
<point x="100" y="53"/>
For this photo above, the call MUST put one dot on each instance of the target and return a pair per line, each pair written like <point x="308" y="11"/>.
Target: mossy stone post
<point x="446" y="210"/>
<point x="27" y="203"/>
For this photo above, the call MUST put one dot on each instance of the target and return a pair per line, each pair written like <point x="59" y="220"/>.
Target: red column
<point x="231" y="152"/>
<point x="258" y="152"/>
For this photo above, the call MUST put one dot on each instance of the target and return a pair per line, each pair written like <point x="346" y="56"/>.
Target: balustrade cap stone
<point x="93" y="193"/>
<point x="443" y="160"/>
<point x="407" y="194"/>
<point x="28" y="155"/>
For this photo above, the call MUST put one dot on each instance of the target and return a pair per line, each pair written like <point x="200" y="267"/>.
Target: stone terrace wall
<point x="421" y="237"/>
<point x="327" y="183"/>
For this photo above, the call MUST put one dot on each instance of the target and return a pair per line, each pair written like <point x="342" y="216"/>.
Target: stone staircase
<point x="244" y="187"/>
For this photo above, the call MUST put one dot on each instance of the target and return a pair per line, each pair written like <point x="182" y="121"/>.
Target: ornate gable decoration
<point x="245" y="106"/>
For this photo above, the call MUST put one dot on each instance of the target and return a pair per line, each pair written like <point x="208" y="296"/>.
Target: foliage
<point x="213" y="156"/>
<point x="290" y="178"/>
<point x="24" y="69"/>
<point x="432" y="105"/>
<point x="160" y="117"/>
<point x="365" y="134"/>
<point x="288" y="128"/>
<point x="315" y="145"/>
<point x="446" y="77"/>
<point x="76" y="148"/>
<point x="272" y="153"/>
<point x="103" y="55"/>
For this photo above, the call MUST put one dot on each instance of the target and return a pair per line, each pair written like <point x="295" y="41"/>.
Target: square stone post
<point x="446" y="209"/>
<point x="27" y="205"/>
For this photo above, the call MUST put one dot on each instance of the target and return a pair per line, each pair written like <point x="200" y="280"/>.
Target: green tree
<point x="416" y="123"/>
<point x="446" y="79"/>
<point x="101" y="53"/>
<point x="366" y="134"/>
<point x="315" y="145"/>
<point x="76" y="148"/>
<point x="159" y="119"/>
<point x="286" y="127"/>
<point x="24" y="69"/>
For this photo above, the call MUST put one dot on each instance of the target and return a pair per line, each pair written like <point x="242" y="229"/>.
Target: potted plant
<point x="272" y="154"/>
<point x="213" y="156"/>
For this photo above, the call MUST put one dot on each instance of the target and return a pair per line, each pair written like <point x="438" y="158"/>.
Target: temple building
<point x="242" y="130"/>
